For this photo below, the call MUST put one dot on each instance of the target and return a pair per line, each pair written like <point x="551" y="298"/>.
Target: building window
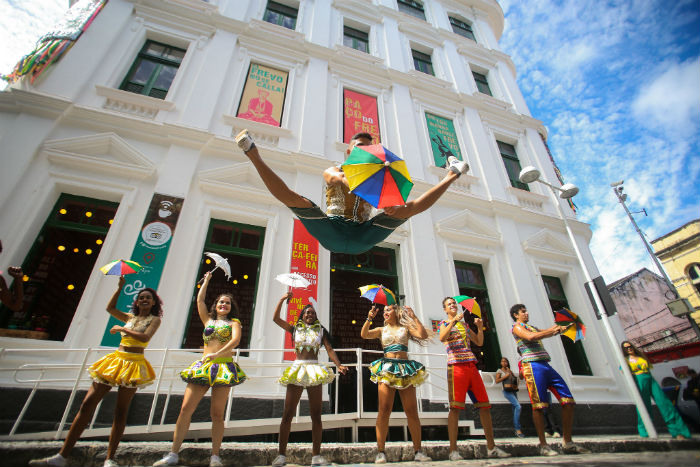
<point x="356" y="39"/>
<point x="482" y="83"/>
<point x="281" y="15"/>
<point x="462" y="28"/>
<point x="59" y="265"/>
<point x="242" y="246"/>
<point x="575" y="353"/>
<point x="422" y="62"/>
<point x="510" y="160"/>
<point x="694" y="274"/>
<point x="153" y="70"/>
<point x="471" y="282"/>
<point x="412" y="8"/>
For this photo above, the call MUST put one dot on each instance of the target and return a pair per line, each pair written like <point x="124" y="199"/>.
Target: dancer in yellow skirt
<point x="305" y="373"/>
<point x="395" y="371"/>
<point x="216" y="370"/>
<point x="125" y="368"/>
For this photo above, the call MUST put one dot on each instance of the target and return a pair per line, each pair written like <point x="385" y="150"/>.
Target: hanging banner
<point x="263" y="95"/>
<point x="443" y="139"/>
<point x="305" y="263"/>
<point x="150" y="251"/>
<point x="360" y="115"/>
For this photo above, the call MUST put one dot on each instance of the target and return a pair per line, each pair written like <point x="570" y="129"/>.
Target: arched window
<point x="694" y="274"/>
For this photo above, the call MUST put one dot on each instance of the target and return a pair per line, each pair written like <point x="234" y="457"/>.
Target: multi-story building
<point x="124" y="149"/>
<point x="679" y="252"/>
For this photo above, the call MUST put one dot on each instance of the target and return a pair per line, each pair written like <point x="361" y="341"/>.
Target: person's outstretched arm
<point x="112" y="305"/>
<point x="366" y="332"/>
<point x="278" y="309"/>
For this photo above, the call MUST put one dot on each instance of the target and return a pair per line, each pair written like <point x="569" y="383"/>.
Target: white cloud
<point x="671" y="102"/>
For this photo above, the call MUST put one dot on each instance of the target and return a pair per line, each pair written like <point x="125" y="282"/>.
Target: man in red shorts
<point x="463" y="377"/>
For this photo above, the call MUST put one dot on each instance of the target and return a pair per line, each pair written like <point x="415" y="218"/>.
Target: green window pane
<point x="165" y="77"/>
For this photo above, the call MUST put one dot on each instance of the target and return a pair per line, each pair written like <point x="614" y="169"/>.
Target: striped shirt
<point x="530" y="351"/>
<point x="457" y="344"/>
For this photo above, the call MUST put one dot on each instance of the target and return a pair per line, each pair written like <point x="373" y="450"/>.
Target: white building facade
<point x="80" y="137"/>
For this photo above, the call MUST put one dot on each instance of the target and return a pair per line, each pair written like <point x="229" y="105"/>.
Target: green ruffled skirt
<point x="306" y="373"/>
<point x="218" y="372"/>
<point x="397" y="373"/>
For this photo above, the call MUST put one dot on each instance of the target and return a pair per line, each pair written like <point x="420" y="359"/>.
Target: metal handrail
<point x="165" y="375"/>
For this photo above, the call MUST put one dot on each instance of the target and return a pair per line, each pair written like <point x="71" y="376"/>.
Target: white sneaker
<point x="319" y="460"/>
<point x="497" y="452"/>
<point x="110" y="463"/>
<point x="245" y="141"/>
<point x="454" y="456"/>
<point x="457" y="166"/>
<point x="215" y="461"/>
<point x="573" y="448"/>
<point x="545" y="450"/>
<point x="381" y="458"/>
<point x="420" y="457"/>
<point x="170" y="458"/>
<point x="279" y="461"/>
<point x="56" y="460"/>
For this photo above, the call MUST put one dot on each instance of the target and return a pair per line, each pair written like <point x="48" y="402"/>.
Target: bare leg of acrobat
<point x="272" y="181"/>
<point x="427" y="199"/>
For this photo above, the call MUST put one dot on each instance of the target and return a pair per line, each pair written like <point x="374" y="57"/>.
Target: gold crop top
<point x="340" y="202"/>
<point x="138" y="324"/>
<point x="393" y="336"/>
<point x="218" y="329"/>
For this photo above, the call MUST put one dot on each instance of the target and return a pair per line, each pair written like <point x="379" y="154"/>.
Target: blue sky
<point x="617" y="84"/>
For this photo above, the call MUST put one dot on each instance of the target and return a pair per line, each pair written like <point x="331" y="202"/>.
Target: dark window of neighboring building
<point x="510" y="160"/>
<point x="153" y="70"/>
<point x="412" y="8"/>
<point x="694" y="274"/>
<point x="422" y="62"/>
<point x="482" y="83"/>
<point x="281" y="15"/>
<point x="471" y="282"/>
<point x="575" y="353"/>
<point x="59" y="264"/>
<point x="462" y="28"/>
<point x="242" y="245"/>
<point x="356" y="39"/>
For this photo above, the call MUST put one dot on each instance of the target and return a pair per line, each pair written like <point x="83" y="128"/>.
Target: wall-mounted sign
<point x="263" y="95"/>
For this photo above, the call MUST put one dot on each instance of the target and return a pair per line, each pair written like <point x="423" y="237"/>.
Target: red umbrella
<point x="577" y="330"/>
<point x="469" y="303"/>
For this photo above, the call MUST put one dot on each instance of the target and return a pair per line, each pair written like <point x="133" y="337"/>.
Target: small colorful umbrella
<point x="377" y="293"/>
<point x="293" y="280"/>
<point x="378" y="176"/>
<point x="469" y="303"/>
<point x="565" y="317"/>
<point x="121" y="267"/>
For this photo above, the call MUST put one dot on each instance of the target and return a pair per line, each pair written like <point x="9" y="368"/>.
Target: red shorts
<point x="463" y="379"/>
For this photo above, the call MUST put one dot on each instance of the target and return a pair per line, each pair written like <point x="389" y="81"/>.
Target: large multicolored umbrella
<point x="377" y="293"/>
<point x="378" y="176"/>
<point x="469" y="303"/>
<point x="566" y="317"/>
<point x="121" y="267"/>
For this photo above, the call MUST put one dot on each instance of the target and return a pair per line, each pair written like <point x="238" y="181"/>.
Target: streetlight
<point x="530" y="174"/>
<point x="622" y="197"/>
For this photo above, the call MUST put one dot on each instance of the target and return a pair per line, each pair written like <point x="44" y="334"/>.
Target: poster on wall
<point x="360" y="115"/>
<point x="305" y="263"/>
<point x="150" y="251"/>
<point x="263" y="95"/>
<point x="443" y="139"/>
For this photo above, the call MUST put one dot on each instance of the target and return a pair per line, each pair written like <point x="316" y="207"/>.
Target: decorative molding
<point x="263" y="134"/>
<point x="102" y="153"/>
<point x="359" y="10"/>
<point x="462" y="184"/>
<point x="545" y="243"/>
<point x="528" y="199"/>
<point x="132" y="103"/>
<point x="466" y="227"/>
<point x="174" y="17"/>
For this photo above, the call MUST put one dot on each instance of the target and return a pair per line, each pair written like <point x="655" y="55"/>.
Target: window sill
<point x="263" y="27"/>
<point x="262" y="133"/>
<point x="463" y="183"/>
<point x="206" y="6"/>
<point x="132" y="103"/>
<point x="492" y="102"/>
<point x="527" y="199"/>
<point x="357" y="55"/>
<point x="419" y="75"/>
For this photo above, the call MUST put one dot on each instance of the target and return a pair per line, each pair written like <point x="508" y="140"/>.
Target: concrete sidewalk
<point x="132" y="453"/>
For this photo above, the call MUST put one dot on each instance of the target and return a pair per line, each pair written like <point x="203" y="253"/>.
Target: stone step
<point x="134" y="453"/>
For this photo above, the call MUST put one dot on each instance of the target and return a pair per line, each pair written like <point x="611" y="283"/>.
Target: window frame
<point x="512" y="159"/>
<point x="356" y="36"/>
<point x="283" y="11"/>
<point x="412" y="8"/>
<point x="482" y="83"/>
<point x="160" y="61"/>
<point x="459" y="25"/>
<point x="425" y="60"/>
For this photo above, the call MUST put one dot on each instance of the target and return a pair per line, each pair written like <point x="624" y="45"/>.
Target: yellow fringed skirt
<point x="221" y="371"/>
<point x="306" y="373"/>
<point x="119" y="368"/>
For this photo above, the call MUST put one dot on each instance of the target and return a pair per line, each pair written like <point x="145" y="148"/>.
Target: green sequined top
<point x="308" y="337"/>
<point x="219" y="329"/>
